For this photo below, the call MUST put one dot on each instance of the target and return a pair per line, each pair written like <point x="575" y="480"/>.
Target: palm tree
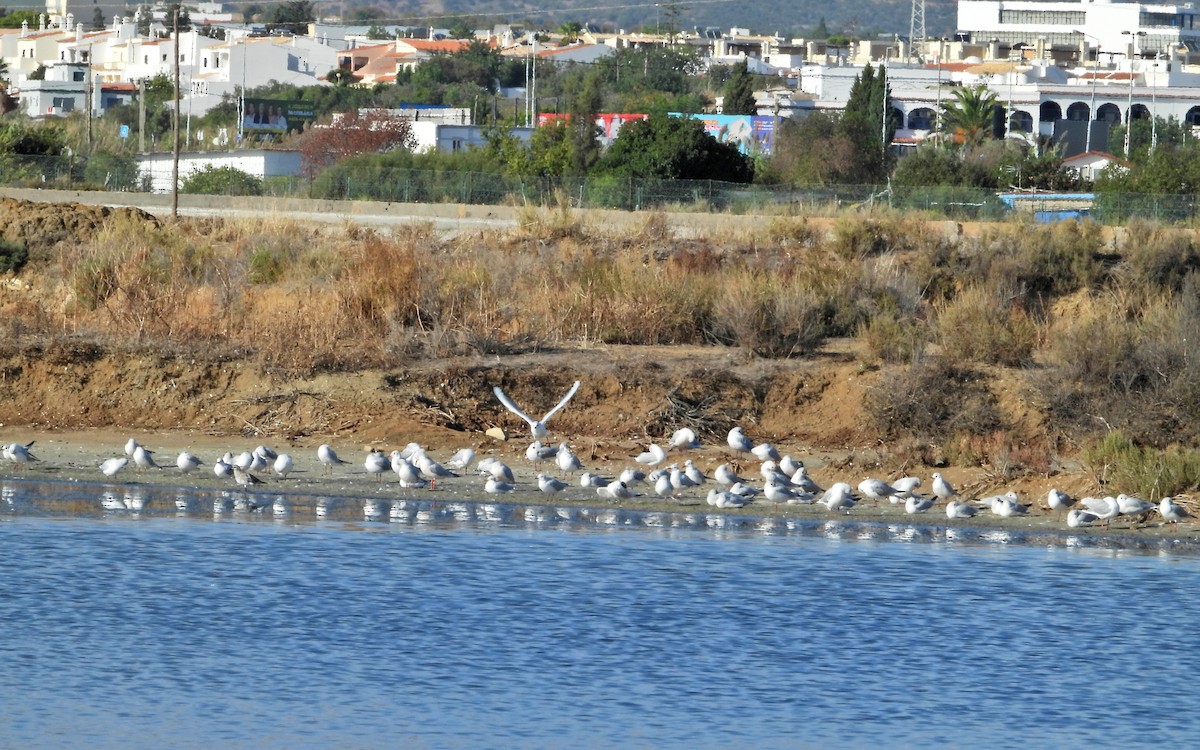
<point x="570" y="31"/>
<point x="969" y="115"/>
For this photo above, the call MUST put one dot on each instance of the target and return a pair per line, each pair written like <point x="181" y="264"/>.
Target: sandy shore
<point x="75" y="457"/>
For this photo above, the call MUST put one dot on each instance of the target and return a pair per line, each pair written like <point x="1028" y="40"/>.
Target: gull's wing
<point x="508" y="404"/>
<point x="561" y="404"/>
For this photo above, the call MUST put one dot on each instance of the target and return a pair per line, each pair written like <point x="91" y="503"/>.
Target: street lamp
<point x="1087" y="147"/>
<point x="1129" y="106"/>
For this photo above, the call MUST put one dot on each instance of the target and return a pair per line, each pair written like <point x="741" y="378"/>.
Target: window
<point x="77" y="75"/>
<point x="64" y="103"/>
<point x="1043" y="17"/>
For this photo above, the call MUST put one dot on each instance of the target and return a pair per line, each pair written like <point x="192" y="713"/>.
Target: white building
<point x="261" y="163"/>
<point x="1110" y="27"/>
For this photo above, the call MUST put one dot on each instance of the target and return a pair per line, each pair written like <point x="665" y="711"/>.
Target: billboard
<point x="609" y="123"/>
<point x="751" y="133"/>
<point x="275" y="115"/>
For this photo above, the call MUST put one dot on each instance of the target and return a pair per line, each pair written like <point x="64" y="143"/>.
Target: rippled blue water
<point x="240" y="631"/>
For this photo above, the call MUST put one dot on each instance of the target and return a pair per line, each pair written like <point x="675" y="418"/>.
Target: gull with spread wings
<point x="537" y="427"/>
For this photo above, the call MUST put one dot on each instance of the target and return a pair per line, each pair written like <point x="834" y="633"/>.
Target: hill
<point x="863" y="18"/>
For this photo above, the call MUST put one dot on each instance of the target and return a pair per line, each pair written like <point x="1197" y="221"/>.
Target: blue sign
<point x="124" y="131"/>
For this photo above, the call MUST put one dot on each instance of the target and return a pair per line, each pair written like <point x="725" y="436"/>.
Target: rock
<point x="497" y="432"/>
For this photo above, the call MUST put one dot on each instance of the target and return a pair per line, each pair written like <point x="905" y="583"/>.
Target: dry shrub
<point x="936" y="399"/>
<point x="793" y="230"/>
<point x="856" y="237"/>
<point x="892" y="338"/>
<point x="987" y="327"/>
<point x="381" y="285"/>
<point x="1156" y="260"/>
<point x="546" y="224"/>
<point x="1130" y="369"/>
<point x="769" y="317"/>
<point x="307" y="332"/>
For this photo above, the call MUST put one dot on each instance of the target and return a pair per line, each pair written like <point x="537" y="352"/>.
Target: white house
<point x="261" y="163"/>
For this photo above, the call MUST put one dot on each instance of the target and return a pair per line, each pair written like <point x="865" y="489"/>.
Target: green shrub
<point x="211" y="180"/>
<point x="12" y="256"/>
<point x="1121" y="465"/>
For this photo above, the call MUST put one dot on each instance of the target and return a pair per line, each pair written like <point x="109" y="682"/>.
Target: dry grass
<point x="1106" y="332"/>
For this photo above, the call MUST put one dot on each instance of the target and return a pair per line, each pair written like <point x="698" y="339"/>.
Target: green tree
<point x="13" y="19"/>
<point x="809" y="151"/>
<point x="970" y="115"/>
<point x="211" y="180"/>
<point x="460" y="30"/>
<point x="293" y="16"/>
<point x="570" y="31"/>
<point x="739" y="92"/>
<point x="868" y="122"/>
<point x="583" y="138"/>
<point x="143" y="18"/>
<point x="377" y="32"/>
<point x="673" y="148"/>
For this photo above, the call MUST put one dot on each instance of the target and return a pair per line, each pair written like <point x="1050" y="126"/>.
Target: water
<point x="445" y="629"/>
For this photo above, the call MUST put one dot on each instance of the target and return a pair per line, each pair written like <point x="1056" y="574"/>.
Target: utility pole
<point x="175" y="124"/>
<point x="142" y="116"/>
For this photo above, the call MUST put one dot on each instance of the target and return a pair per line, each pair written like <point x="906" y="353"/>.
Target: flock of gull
<point x="782" y="479"/>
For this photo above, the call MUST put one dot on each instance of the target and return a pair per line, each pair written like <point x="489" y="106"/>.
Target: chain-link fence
<point x="116" y="173"/>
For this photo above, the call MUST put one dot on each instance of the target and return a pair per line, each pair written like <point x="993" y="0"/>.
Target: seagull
<point x="693" y="473"/>
<point x="1134" y="506"/>
<point x="462" y="460"/>
<point x="955" y="509"/>
<point x="632" y="476"/>
<point x="265" y="453"/>
<point x="1077" y="517"/>
<point x="498" y="469"/>
<point x="113" y="465"/>
<point x="915" y="504"/>
<point x="588" y="479"/>
<point x="328" y="457"/>
<point x="1007" y="505"/>
<point x="245" y="478"/>
<point x="566" y="459"/>
<point x="377" y="463"/>
<point x="188" y="462"/>
<point x="222" y="468"/>
<point x="942" y="488"/>
<point x="144" y="458"/>
<point x="723" y="499"/>
<point x="738" y="442"/>
<point x="550" y="485"/>
<point x="493" y="486"/>
<point x="684" y="439"/>
<point x="538" y="452"/>
<point x="432" y="469"/>
<point x="1171" y="511"/>
<point x="536" y="427"/>
<point x="765" y="452"/>
<point x="1057" y="500"/>
<point x="839" y="496"/>
<point x="130" y="447"/>
<point x="283" y="465"/>
<point x="802" y="480"/>
<point x="19" y="453"/>
<point x="904" y="487"/>
<point x="616" y="491"/>
<point x="778" y="493"/>
<point x="789" y="465"/>
<point x="410" y="476"/>
<point x="1104" y="508"/>
<point x="876" y="489"/>
<point x="726" y="476"/>
<point x="652" y="456"/>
